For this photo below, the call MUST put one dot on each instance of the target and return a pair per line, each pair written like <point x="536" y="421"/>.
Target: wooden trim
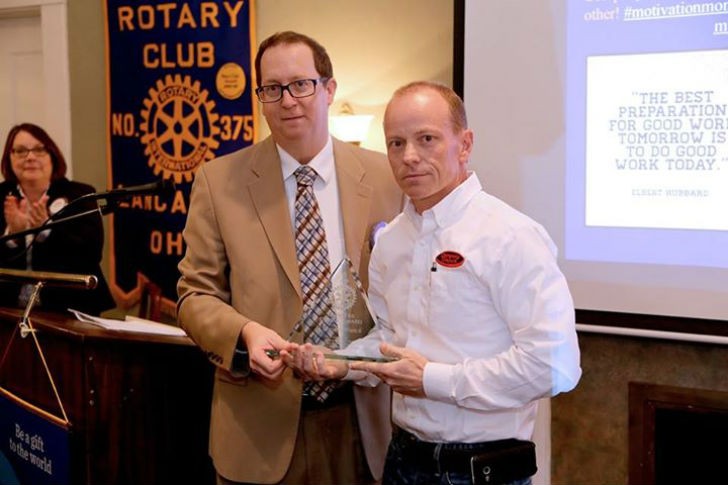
<point x="644" y="400"/>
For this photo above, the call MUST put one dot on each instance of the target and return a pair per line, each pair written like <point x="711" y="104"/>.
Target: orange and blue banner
<point x="180" y="93"/>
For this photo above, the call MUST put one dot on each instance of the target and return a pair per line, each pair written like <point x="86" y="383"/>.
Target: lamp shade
<point x="350" y="128"/>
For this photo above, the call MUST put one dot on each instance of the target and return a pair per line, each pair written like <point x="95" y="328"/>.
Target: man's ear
<point x="466" y="147"/>
<point x="331" y="89"/>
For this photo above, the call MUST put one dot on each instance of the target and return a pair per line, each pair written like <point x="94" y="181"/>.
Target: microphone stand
<point x="112" y="198"/>
<point x="40" y="279"/>
<point x="101" y="210"/>
<point x="26" y="326"/>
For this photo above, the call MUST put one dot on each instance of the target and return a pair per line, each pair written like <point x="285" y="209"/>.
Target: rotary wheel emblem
<point x="344" y="296"/>
<point x="179" y="127"/>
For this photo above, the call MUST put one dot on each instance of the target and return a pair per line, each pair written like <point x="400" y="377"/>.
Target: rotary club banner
<point x="180" y="93"/>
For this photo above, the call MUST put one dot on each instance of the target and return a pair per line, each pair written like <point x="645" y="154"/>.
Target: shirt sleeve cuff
<point x="437" y="381"/>
<point x="42" y="235"/>
<point x="241" y="362"/>
<point x="9" y="243"/>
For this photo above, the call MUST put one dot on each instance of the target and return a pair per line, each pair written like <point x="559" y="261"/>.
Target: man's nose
<point x="410" y="154"/>
<point x="287" y="98"/>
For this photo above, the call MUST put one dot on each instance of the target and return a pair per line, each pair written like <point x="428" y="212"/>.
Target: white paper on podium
<point x="131" y="324"/>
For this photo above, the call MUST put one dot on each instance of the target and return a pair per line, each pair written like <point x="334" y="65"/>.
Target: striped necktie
<point x="319" y="318"/>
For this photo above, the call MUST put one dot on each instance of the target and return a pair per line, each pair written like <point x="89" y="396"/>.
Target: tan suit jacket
<point x="240" y="265"/>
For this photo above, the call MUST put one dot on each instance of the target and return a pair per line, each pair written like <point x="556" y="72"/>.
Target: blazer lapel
<point x="355" y="198"/>
<point x="269" y="198"/>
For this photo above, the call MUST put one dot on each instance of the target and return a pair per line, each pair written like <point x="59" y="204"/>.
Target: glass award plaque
<point x="353" y="311"/>
<point x="354" y="314"/>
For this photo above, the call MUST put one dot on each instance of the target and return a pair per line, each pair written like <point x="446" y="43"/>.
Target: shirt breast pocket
<point x="456" y="297"/>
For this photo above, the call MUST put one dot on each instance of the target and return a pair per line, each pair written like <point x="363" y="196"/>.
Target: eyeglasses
<point x="23" y="152"/>
<point x="301" y="88"/>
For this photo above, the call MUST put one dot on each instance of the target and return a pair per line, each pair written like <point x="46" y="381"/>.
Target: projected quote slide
<point x="647" y="132"/>
<point x="656" y="147"/>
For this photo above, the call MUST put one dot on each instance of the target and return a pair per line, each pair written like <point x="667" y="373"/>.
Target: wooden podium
<point x="138" y="404"/>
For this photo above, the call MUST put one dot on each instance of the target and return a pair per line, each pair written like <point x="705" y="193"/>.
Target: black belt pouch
<point x="513" y="460"/>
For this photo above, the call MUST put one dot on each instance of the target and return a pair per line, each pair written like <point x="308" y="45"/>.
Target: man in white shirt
<point x="470" y="304"/>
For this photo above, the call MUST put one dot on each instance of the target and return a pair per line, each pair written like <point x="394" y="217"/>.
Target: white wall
<point x="34" y="85"/>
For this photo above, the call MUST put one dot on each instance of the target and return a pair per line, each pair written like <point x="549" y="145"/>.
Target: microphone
<point x="161" y="187"/>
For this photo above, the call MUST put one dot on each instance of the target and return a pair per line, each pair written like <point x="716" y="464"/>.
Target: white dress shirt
<point x="498" y="329"/>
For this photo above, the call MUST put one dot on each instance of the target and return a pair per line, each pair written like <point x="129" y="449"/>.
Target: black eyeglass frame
<point x="37" y="151"/>
<point x="286" y="87"/>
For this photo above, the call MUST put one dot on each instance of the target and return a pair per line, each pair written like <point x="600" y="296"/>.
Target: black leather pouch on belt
<point x="513" y="460"/>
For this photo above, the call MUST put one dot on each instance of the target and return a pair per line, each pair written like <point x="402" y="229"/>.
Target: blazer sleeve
<point x="203" y="307"/>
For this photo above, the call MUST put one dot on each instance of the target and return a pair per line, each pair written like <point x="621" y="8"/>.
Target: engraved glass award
<point x="353" y="312"/>
<point x="354" y="315"/>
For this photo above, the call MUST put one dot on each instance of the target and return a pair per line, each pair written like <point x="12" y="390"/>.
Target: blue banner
<point x="180" y="93"/>
<point x="32" y="448"/>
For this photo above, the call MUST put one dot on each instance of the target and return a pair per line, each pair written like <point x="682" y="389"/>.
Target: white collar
<point x="322" y="162"/>
<point x="451" y="205"/>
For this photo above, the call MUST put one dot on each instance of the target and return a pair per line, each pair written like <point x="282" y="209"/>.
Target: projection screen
<point x="607" y="122"/>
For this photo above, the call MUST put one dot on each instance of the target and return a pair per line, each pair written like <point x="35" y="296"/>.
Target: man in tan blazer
<point x="240" y="292"/>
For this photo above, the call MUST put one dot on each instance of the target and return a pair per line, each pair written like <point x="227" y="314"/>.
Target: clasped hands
<point x="21" y="214"/>
<point x="404" y="375"/>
